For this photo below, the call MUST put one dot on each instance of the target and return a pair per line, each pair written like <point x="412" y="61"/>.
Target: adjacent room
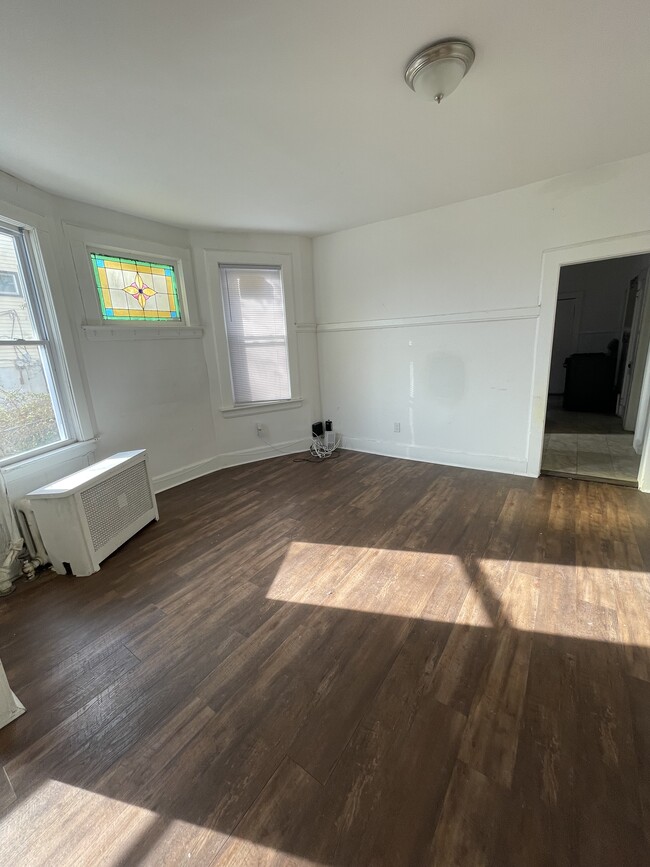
<point x="596" y="416"/>
<point x="324" y="440"/>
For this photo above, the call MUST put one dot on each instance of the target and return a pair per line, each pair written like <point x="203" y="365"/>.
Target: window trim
<point x="223" y="267"/>
<point x="261" y="406"/>
<point x="85" y="241"/>
<point x="130" y="253"/>
<point x="49" y="340"/>
<point x="175" y="264"/>
<point x="231" y="258"/>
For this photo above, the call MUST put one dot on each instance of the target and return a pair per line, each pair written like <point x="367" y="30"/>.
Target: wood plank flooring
<point x="366" y="661"/>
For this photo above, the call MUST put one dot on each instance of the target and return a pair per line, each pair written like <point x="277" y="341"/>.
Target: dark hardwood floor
<point x="361" y="662"/>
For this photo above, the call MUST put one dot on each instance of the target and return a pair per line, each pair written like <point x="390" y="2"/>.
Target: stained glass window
<point x="130" y="289"/>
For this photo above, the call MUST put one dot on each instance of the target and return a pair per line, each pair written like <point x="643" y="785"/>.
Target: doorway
<point x="596" y="415"/>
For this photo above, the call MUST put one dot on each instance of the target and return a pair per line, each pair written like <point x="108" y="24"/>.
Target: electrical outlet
<point x="397" y="427"/>
<point x="260" y="429"/>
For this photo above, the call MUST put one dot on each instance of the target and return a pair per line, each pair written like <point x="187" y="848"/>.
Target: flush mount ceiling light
<point x="436" y="71"/>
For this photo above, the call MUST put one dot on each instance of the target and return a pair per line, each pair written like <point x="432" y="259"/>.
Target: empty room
<point x="324" y="433"/>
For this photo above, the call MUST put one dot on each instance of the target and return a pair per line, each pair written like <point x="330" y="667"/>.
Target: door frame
<point x="552" y="261"/>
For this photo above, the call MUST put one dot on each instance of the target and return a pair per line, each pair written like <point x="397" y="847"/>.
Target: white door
<point x="637" y="297"/>
<point x="624" y="346"/>
<point x="563" y="343"/>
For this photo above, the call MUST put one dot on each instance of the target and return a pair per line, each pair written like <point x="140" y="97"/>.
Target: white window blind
<point x="256" y="326"/>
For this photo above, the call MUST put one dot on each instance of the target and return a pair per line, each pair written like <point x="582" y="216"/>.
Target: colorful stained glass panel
<point x="131" y="289"/>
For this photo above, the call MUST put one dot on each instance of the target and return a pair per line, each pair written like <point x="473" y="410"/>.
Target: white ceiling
<point x="292" y="115"/>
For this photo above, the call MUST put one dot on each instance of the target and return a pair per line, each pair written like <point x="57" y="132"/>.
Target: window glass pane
<point x="16" y="320"/>
<point x="131" y="289"/>
<point x="29" y="416"/>
<point x="257" y="333"/>
<point x="9" y="283"/>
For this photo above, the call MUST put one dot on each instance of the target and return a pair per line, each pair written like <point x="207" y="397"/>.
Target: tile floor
<point x="588" y="444"/>
<point x="606" y="456"/>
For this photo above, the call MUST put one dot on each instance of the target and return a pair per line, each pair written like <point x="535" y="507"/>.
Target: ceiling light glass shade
<point x="438" y="70"/>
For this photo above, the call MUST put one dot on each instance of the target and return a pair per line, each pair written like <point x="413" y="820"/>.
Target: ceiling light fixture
<point x="436" y="71"/>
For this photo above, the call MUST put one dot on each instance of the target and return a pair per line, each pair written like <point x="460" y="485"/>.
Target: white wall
<point x="431" y="320"/>
<point x="289" y="430"/>
<point x="162" y="394"/>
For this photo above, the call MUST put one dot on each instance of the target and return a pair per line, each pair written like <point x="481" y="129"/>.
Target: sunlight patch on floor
<point x="93" y="829"/>
<point x="431" y="586"/>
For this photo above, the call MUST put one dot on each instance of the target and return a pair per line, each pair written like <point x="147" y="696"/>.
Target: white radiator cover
<point x="84" y="517"/>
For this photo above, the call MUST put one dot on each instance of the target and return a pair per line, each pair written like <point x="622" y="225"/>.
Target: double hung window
<point x="256" y="330"/>
<point x="34" y="416"/>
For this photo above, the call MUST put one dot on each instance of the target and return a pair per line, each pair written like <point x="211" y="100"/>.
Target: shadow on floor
<point x="454" y="669"/>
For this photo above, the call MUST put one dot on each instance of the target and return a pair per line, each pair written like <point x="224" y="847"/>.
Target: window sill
<point x="45" y="460"/>
<point x="141" y="332"/>
<point x="266" y="406"/>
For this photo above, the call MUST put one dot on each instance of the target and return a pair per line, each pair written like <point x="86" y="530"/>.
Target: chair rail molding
<point x="497" y="315"/>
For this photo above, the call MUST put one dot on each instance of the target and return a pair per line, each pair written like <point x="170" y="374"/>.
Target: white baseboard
<point x="185" y="474"/>
<point x="228" y="459"/>
<point x="427" y="454"/>
<point x="431" y="455"/>
<point x="247" y="456"/>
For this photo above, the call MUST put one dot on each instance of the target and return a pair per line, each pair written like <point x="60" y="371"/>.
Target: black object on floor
<point x="590" y="382"/>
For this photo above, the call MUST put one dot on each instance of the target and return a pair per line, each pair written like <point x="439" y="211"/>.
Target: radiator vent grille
<point x="115" y="503"/>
